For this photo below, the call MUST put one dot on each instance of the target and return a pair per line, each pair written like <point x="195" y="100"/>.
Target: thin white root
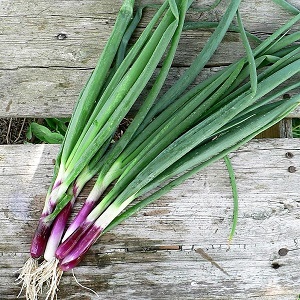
<point x="47" y="274"/>
<point x="53" y="288"/>
<point x="84" y="287"/>
<point x="26" y="278"/>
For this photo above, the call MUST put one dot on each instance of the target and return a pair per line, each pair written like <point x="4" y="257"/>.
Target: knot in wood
<point x="61" y="36"/>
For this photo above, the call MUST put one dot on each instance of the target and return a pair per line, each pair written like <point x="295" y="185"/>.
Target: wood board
<point x="176" y="248"/>
<point x="48" y="49"/>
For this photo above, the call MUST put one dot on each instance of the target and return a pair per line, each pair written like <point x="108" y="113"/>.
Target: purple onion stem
<point x="43" y="230"/>
<point x="84" y="244"/>
<point x="79" y="219"/>
<point x="66" y="247"/>
<point x="40" y="238"/>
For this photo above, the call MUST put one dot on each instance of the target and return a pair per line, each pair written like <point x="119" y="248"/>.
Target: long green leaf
<point x="287" y="6"/>
<point x="234" y="194"/>
<point x="83" y="157"/>
<point x="250" y="56"/>
<point x="86" y="102"/>
<point x="246" y="133"/>
<point x="131" y="84"/>
<point x="148" y="102"/>
<point x="203" y="130"/>
<point x="127" y="187"/>
<point x="191" y="73"/>
<point x="120" y="73"/>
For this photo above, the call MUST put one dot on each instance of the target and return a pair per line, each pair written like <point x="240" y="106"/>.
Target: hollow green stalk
<point x="245" y="136"/>
<point x="123" y="96"/>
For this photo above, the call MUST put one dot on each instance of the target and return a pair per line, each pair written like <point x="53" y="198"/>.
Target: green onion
<point x="206" y="155"/>
<point x="250" y="57"/>
<point x="131" y="184"/>
<point x="171" y="137"/>
<point x="234" y="194"/>
<point x="289" y="7"/>
<point x="113" y="108"/>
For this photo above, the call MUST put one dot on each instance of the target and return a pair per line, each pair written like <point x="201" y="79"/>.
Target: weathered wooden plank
<point x="49" y="92"/>
<point x="41" y="73"/>
<point x="177" y="247"/>
<point x="29" y="35"/>
<point x="55" y="90"/>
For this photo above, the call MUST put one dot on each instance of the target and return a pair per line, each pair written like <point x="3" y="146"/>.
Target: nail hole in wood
<point x="283" y="252"/>
<point x="275" y="265"/>
<point x="61" y="36"/>
<point x="289" y="155"/>
<point x="292" y="169"/>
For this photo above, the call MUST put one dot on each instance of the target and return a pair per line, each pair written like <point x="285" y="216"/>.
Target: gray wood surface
<point x="177" y="247"/>
<point x="41" y="74"/>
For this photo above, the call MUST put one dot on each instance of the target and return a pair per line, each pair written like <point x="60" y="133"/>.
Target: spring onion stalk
<point x="83" y="109"/>
<point x="245" y="135"/>
<point x="114" y="102"/>
<point x="102" y="183"/>
<point x="171" y="137"/>
<point x="155" y="134"/>
<point x="262" y="126"/>
<point x="130" y="93"/>
<point x="58" y="227"/>
<point x="86" y="102"/>
<point x="131" y="183"/>
<point x="212" y="45"/>
<point x="141" y="63"/>
<point x="121" y="71"/>
<point x="270" y="79"/>
<point x="264" y="48"/>
<point x="289" y="7"/>
<point x="239" y="137"/>
<point x="201" y="157"/>
<point x="283" y="61"/>
<point x="95" y="194"/>
<point x="159" y="130"/>
<point x="250" y="57"/>
<point x="94" y="166"/>
<point x="199" y="63"/>
<point x="143" y="172"/>
<point x="124" y="44"/>
<point x="62" y="217"/>
<point x="257" y="120"/>
<point x="140" y="160"/>
<point x="122" y="98"/>
<point x="235" y="196"/>
<point x="46" y="270"/>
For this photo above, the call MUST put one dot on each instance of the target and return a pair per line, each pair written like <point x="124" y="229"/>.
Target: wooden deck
<point x="177" y="247"/>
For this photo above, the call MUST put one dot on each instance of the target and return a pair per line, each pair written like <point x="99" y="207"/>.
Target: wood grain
<point x="171" y="249"/>
<point x="41" y="73"/>
<point x="177" y="247"/>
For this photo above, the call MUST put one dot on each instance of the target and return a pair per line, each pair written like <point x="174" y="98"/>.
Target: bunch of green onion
<point x="171" y="137"/>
